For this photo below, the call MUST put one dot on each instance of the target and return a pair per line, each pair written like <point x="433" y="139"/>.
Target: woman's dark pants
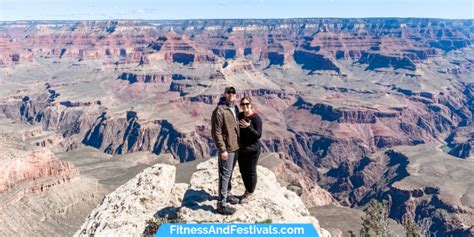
<point x="248" y="168"/>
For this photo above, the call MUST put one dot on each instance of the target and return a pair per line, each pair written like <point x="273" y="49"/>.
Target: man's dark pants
<point x="226" y="168"/>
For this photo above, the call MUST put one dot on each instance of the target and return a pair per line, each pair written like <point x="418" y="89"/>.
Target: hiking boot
<point x="247" y="197"/>
<point x="232" y="199"/>
<point x="225" y="210"/>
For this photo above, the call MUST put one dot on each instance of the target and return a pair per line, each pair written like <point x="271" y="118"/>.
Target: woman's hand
<point x="243" y="123"/>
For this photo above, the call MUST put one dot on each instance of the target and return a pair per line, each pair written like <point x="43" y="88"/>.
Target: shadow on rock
<point x="169" y="213"/>
<point x="193" y="199"/>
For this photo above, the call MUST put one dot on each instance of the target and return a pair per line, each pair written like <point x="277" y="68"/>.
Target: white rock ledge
<point x="153" y="192"/>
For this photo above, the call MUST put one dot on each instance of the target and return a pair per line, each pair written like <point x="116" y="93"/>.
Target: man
<point x="225" y="133"/>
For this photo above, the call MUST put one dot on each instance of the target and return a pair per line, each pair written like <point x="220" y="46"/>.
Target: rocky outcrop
<point x="129" y="134"/>
<point x="27" y="165"/>
<point x="144" y="78"/>
<point x="154" y="193"/>
<point x="461" y="142"/>
<point x="369" y="126"/>
<point x="399" y="176"/>
<point x="294" y="178"/>
<point x="126" y="210"/>
<point x="179" y="87"/>
<point x="37" y="170"/>
<point x="347" y="115"/>
<point x="225" y="53"/>
<point x="113" y="134"/>
<point x="39" y="164"/>
<point x="70" y="120"/>
<point x="375" y="60"/>
<point x="314" y="62"/>
<point x="447" y="207"/>
<point x="371" y="175"/>
<point x="449" y="44"/>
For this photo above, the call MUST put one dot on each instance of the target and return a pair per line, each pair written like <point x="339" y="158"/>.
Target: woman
<point x="250" y="133"/>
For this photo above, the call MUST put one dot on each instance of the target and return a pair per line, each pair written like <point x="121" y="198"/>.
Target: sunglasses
<point x="246" y="104"/>
<point x="231" y="92"/>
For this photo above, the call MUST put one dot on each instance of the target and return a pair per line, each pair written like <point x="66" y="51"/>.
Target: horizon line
<point x="200" y="19"/>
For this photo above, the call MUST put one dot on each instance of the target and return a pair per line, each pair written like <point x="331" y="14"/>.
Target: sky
<point x="223" y="9"/>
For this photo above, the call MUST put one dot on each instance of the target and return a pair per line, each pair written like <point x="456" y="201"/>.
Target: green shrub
<point x="267" y="221"/>
<point x="153" y="224"/>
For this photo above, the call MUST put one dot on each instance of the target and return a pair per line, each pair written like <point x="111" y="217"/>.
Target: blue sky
<point x="200" y="9"/>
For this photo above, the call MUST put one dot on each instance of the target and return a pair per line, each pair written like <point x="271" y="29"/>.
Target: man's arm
<point x="216" y="131"/>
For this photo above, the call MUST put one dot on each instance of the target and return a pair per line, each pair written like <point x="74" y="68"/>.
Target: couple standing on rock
<point x="236" y="135"/>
